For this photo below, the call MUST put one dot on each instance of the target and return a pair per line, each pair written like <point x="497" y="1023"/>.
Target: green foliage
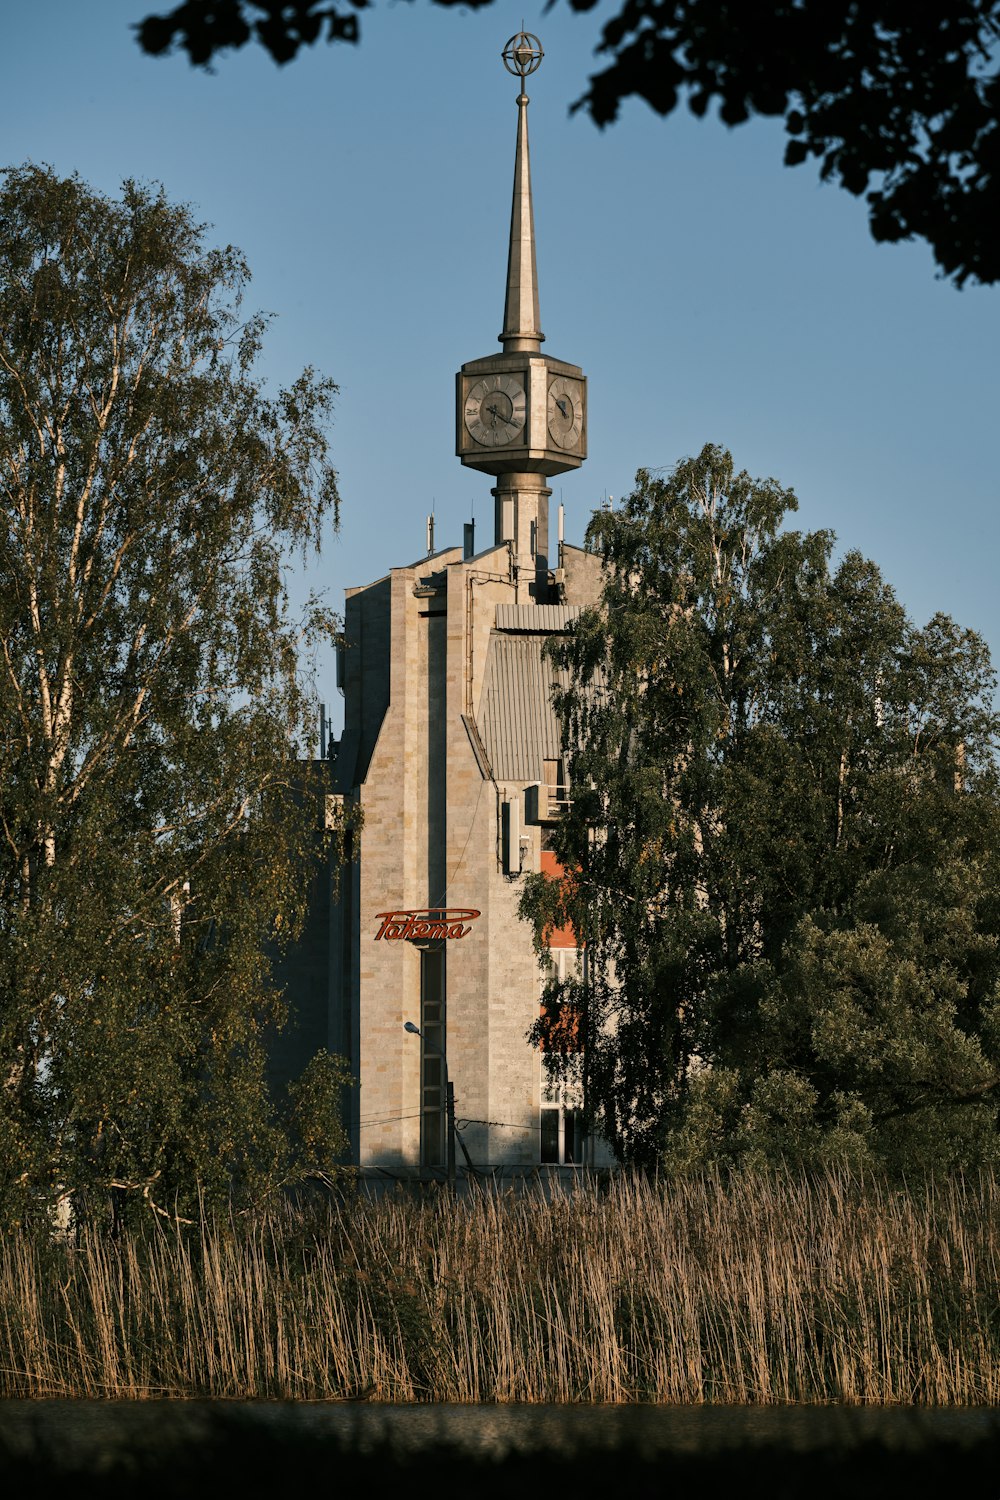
<point x="314" y="1118"/>
<point x="783" y="843"/>
<point x="896" y="102"/>
<point x="152" y="805"/>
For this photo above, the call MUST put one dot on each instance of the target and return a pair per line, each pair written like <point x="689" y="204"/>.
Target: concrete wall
<point x="416" y="650"/>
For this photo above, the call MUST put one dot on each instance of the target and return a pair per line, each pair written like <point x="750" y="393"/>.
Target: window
<point x="554" y="777"/>
<point x="562" y="1139"/>
<point x="563" y="1017"/>
<point x="432" y="1043"/>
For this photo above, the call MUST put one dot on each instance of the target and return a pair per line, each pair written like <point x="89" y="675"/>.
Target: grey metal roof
<point x="478" y="748"/>
<point x="518" y="726"/>
<point x="537" y="619"/>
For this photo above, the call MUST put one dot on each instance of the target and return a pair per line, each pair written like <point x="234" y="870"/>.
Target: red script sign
<point x="427" y="923"/>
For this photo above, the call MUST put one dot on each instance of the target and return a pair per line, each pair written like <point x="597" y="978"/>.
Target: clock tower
<point x="521" y="414"/>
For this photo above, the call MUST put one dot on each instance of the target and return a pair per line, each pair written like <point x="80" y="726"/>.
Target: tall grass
<point x="776" y="1289"/>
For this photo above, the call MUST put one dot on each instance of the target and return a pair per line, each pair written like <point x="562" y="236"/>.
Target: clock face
<point x="565" y="412"/>
<point x="495" y="410"/>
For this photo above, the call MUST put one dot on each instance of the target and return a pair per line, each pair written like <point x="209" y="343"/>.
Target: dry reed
<point x="756" y="1289"/>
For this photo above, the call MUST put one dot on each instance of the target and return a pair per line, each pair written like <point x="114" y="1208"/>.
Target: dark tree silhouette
<point x="896" y="101"/>
<point x="206" y="27"/>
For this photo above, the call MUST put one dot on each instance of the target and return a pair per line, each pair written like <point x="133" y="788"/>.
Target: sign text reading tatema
<point x="427" y="924"/>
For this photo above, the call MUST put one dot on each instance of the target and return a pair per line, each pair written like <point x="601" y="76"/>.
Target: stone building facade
<point x="452" y="752"/>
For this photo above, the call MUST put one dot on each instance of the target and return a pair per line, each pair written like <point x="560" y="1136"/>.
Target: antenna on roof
<point x="430" y="534"/>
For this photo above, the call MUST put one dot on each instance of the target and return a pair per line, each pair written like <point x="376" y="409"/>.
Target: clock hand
<point x="562" y="407"/>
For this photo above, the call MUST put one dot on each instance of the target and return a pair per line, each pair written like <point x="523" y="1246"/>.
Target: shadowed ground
<point x="155" y="1448"/>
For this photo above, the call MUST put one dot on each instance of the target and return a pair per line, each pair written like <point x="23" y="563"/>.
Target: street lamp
<point x="449" y="1096"/>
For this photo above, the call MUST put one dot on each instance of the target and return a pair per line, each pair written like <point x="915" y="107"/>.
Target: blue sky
<point x="709" y="293"/>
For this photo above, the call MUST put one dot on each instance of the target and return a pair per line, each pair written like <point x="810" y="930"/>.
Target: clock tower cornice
<point x="519" y="361"/>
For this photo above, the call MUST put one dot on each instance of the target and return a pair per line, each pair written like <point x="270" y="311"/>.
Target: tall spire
<point x="521" y="321"/>
<point x="522" y="415"/>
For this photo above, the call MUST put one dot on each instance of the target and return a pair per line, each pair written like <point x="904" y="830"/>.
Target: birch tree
<point x="781" y="848"/>
<point x="155" y="837"/>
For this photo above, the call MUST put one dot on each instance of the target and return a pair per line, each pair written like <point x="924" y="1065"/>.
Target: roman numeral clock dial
<point x="565" y="412"/>
<point x="495" y="410"/>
